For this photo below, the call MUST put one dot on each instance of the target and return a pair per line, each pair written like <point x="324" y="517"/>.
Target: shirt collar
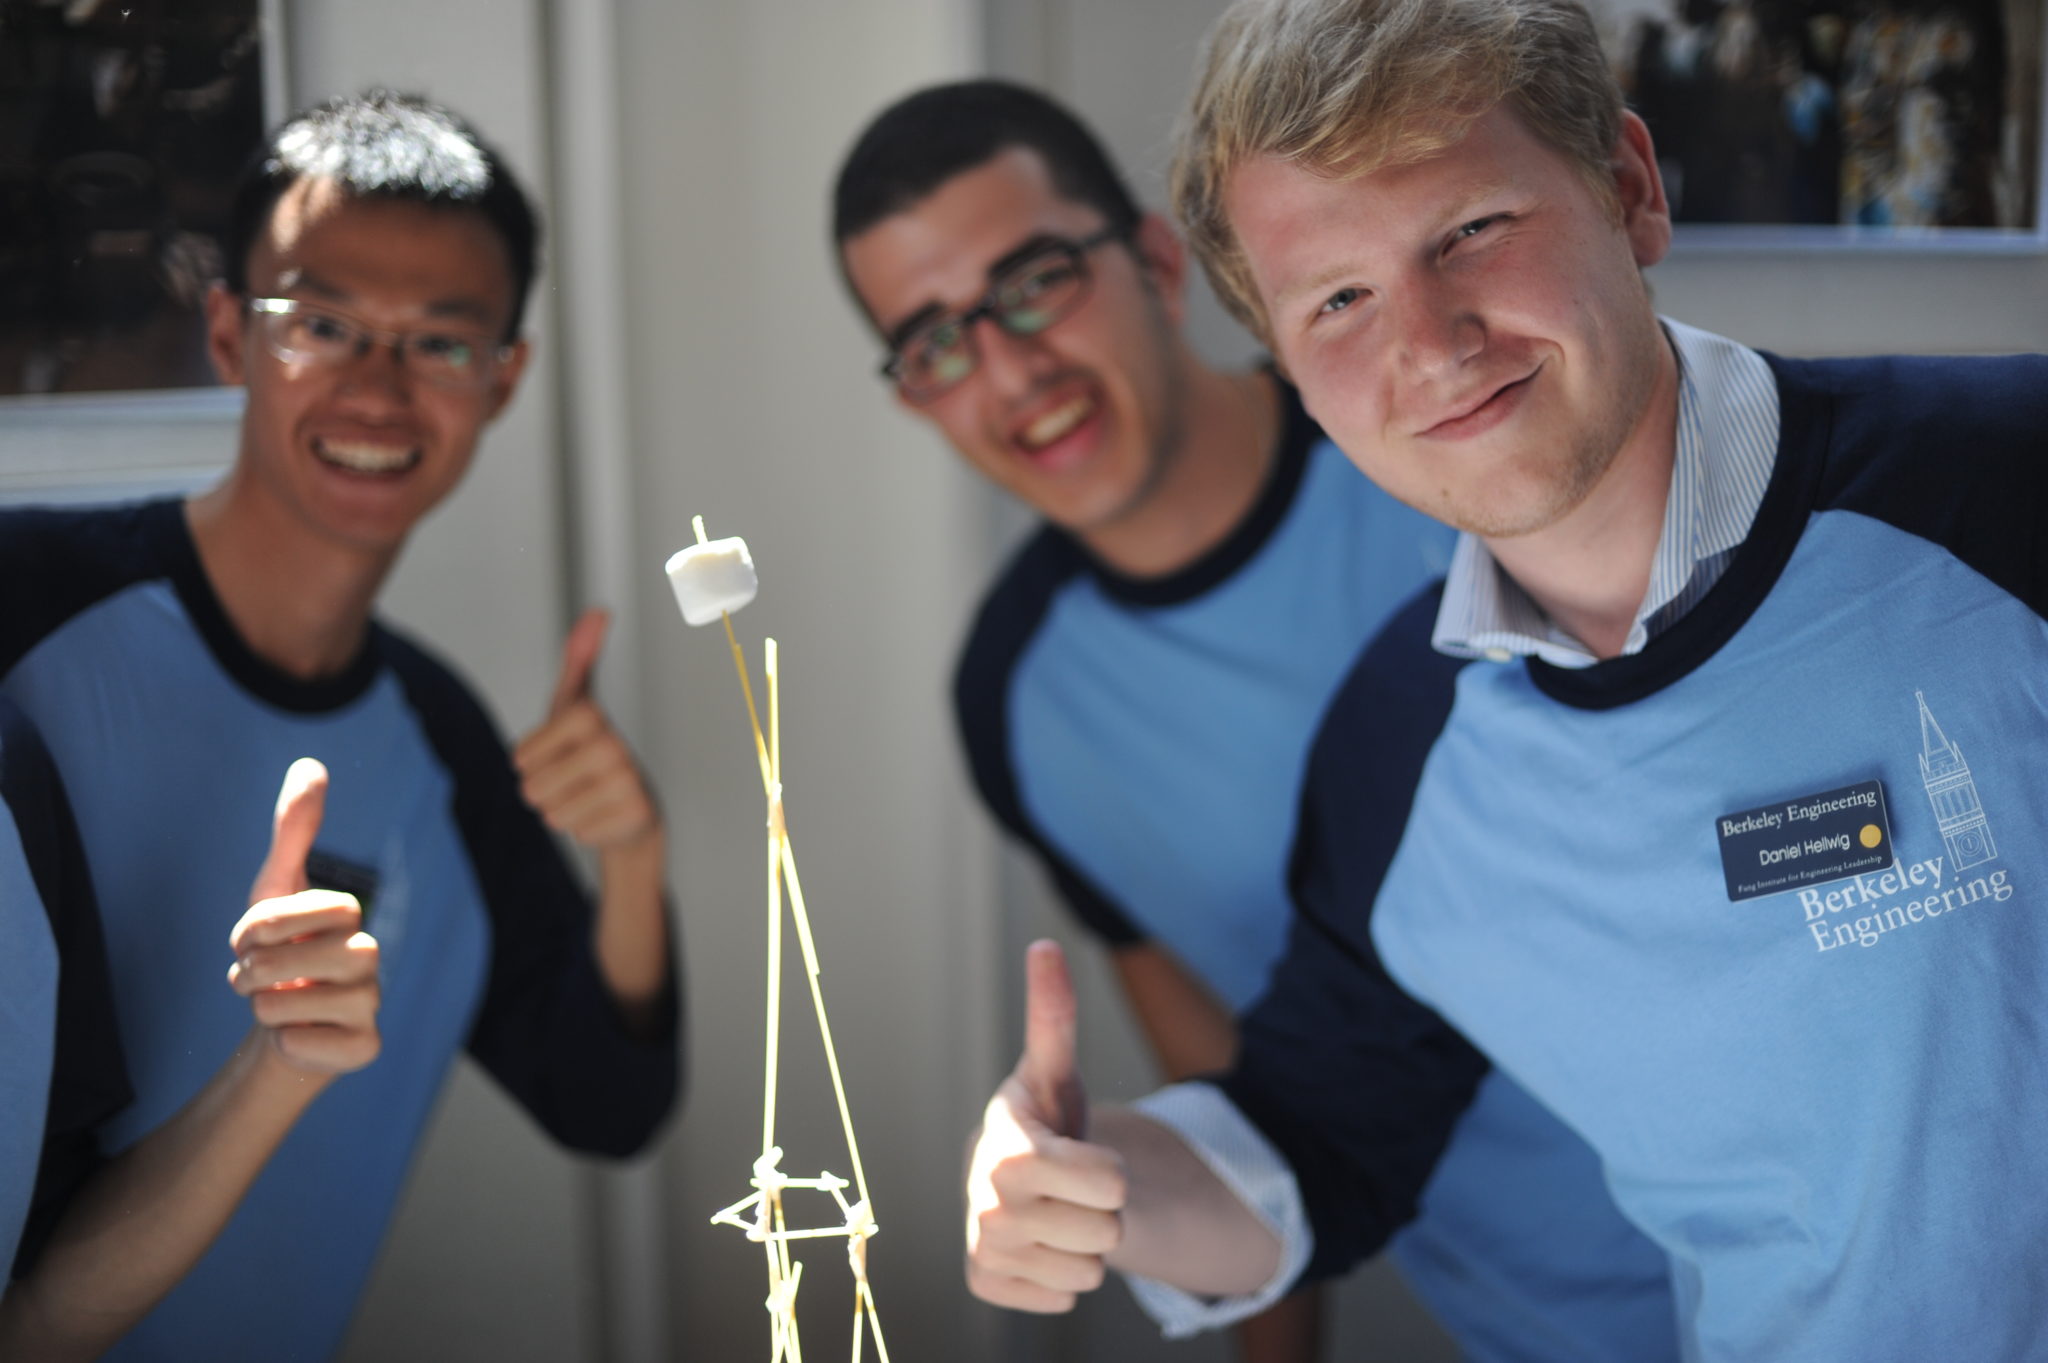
<point x="1727" y="442"/>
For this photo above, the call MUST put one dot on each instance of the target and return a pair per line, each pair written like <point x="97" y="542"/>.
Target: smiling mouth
<point x="366" y="456"/>
<point x="1481" y="415"/>
<point x="1057" y="423"/>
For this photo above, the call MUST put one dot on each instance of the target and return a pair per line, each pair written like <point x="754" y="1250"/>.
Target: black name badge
<point x="1800" y="842"/>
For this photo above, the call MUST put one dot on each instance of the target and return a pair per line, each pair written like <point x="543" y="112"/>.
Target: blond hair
<point x="1346" y="87"/>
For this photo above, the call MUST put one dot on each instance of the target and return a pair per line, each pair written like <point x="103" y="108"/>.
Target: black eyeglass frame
<point x="494" y="351"/>
<point x="1076" y="251"/>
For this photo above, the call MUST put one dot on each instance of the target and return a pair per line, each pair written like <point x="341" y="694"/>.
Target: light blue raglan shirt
<point x="61" y="1068"/>
<point x="173" y="736"/>
<point x="1147" y="738"/>
<point x="1824" y="1102"/>
<point x="1726" y="439"/>
<point x="28" y="1033"/>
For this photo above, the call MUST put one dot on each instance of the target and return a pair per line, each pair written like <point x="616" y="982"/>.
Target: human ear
<point x="1639" y="192"/>
<point x="1164" y="259"/>
<point x="225" y="332"/>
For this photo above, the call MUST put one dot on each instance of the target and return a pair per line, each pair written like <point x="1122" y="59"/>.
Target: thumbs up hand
<point x="1043" y="1205"/>
<point x="1047" y="1071"/>
<point x="301" y="959"/>
<point x="574" y="769"/>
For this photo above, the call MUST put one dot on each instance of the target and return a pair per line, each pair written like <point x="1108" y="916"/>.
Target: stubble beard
<point x="1564" y="481"/>
<point x="1564" y="485"/>
<point x="1164" y="452"/>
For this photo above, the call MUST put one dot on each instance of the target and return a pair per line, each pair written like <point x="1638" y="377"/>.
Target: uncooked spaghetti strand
<point x="772" y="1046"/>
<point x="803" y="933"/>
<point x="867" y="1298"/>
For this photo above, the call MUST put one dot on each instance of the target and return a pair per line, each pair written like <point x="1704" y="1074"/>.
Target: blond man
<point x="1747" y="768"/>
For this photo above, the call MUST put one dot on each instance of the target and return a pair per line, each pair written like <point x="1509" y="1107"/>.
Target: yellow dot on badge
<point x="1871" y="835"/>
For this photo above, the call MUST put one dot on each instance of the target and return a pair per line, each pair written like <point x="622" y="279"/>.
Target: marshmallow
<point x="713" y="579"/>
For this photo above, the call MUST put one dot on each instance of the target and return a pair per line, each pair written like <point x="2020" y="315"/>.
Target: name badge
<point x="1814" y="838"/>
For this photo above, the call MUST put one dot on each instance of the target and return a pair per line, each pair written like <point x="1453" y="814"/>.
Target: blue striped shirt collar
<point x="1727" y="444"/>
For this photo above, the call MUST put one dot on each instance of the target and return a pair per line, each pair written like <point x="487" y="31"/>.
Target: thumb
<point x="300" y="804"/>
<point x="579" y="658"/>
<point x="1048" y="1070"/>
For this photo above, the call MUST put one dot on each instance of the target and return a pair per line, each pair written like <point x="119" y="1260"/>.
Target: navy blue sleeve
<point x="1355" y="1083"/>
<point x="57" y="561"/>
<point x="1008" y="619"/>
<point x="1954" y="450"/>
<point x="548" y="1029"/>
<point x="88" y="1073"/>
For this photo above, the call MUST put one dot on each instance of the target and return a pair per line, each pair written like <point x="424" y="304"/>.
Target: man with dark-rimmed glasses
<point x="178" y="657"/>
<point x="1139" y="693"/>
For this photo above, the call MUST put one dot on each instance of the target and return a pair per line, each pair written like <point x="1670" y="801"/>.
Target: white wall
<point x="754" y="403"/>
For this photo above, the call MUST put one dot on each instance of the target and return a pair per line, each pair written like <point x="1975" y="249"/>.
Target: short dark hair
<point x="385" y="145"/>
<point x="925" y="139"/>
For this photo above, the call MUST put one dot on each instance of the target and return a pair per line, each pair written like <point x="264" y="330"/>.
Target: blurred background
<point x="695" y="355"/>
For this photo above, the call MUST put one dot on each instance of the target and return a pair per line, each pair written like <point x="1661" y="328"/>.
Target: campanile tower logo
<point x="1953" y="793"/>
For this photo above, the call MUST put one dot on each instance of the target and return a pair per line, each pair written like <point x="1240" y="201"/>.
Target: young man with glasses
<point x="1730" y="848"/>
<point x="1138" y="694"/>
<point x="179" y="656"/>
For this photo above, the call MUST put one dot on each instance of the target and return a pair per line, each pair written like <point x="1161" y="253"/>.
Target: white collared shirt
<point x="1727" y="444"/>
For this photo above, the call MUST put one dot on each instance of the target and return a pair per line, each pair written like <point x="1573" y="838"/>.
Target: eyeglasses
<point x="298" y="332"/>
<point x="1023" y="300"/>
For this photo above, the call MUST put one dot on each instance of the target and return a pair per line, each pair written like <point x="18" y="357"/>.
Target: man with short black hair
<point x="1137" y="696"/>
<point x="178" y="656"/>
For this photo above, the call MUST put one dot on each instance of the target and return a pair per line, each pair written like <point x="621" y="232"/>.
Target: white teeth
<point x="367" y="458"/>
<point x="1058" y="422"/>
